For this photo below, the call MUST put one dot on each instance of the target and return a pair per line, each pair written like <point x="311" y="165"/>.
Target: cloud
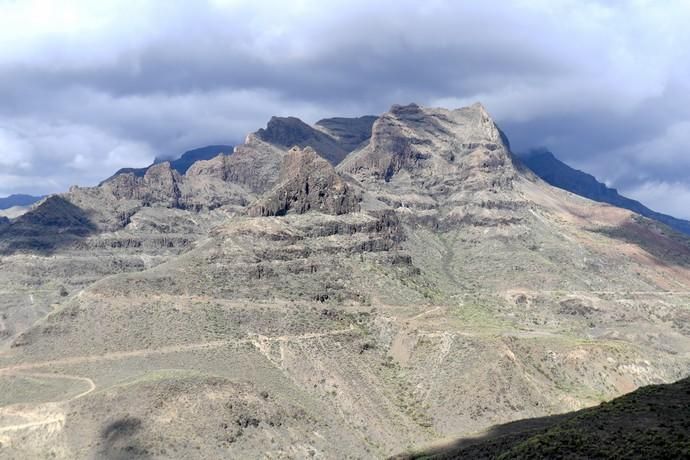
<point x="668" y="197"/>
<point x="91" y="86"/>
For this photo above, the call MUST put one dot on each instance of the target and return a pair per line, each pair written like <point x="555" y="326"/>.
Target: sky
<point x="87" y="87"/>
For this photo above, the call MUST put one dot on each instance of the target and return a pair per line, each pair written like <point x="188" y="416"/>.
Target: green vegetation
<point x="650" y="423"/>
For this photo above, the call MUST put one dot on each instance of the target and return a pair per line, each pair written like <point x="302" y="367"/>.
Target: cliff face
<point x="181" y="164"/>
<point x="307" y="182"/>
<point x="424" y="142"/>
<point x="289" y="132"/>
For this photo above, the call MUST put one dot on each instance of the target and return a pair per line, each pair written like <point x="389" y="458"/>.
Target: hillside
<point x="274" y="303"/>
<point x="560" y="175"/>
<point x="651" y="422"/>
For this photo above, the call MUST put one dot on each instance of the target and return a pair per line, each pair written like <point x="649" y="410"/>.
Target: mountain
<point x="348" y="132"/>
<point x="14" y="211"/>
<point x="18" y="200"/>
<point x="307" y="182"/>
<point x="651" y="422"/>
<point x="181" y="164"/>
<point x="333" y="138"/>
<point x="277" y="302"/>
<point x="560" y="175"/>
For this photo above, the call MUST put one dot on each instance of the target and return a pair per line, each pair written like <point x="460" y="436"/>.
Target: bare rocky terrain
<point x="348" y="290"/>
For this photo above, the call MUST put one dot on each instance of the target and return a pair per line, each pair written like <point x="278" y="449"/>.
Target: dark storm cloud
<point x="87" y="87"/>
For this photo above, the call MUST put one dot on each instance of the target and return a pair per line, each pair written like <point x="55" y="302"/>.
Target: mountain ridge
<point x="18" y="199"/>
<point x="555" y="172"/>
<point x="180" y="164"/>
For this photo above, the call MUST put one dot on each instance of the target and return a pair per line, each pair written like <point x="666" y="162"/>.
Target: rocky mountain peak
<point x="290" y="131"/>
<point x="285" y="131"/>
<point x="162" y="182"/>
<point x="307" y="182"/>
<point x="215" y="167"/>
<point x="158" y="186"/>
<point x="431" y="141"/>
<point x="304" y="162"/>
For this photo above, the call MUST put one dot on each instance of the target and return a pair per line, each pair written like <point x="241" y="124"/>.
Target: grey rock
<point x="307" y="182"/>
<point x="181" y="164"/>
<point x="288" y="132"/>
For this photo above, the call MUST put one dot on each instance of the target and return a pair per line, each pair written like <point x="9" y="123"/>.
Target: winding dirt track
<point x="117" y="355"/>
<point x="21" y="369"/>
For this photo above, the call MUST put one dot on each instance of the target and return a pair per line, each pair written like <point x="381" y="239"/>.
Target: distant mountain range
<point x="289" y="131"/>
<point x="555" y="172"/>
<point x="541" y="161"/>
<point x="18" y="200"/>
<point x="180" y="165"/>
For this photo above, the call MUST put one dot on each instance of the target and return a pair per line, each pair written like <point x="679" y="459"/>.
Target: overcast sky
<point x="87" y="87"/>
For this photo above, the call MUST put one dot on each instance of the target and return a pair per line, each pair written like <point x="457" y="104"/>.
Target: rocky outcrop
<point x="161" y="186"/>
<point x="181" y="164"/>
<point x="158" y="187"/>
<point x="207" y="186"/>
<point x="307" y="182"/>
<point x="288" y="132"/>
<point x="233" y="180"/>
<point x="425" y="142"/>
<point x="440" y="168"/>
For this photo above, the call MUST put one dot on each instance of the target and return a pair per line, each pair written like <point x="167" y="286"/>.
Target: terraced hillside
<point x="269" y="304"/>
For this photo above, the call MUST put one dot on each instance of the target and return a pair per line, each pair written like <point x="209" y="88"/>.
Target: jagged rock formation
<point x="446" y="166"/>
<point x="560" y="175"/>
<point x="289" y="132"/>
<point x="228" y="181"/>
<point x="181" y="164"/>
<point x="307" y="182"/>
<point x="433" y="142"/>
<point x="427" y="286"/>
<point x="159" y="186"/>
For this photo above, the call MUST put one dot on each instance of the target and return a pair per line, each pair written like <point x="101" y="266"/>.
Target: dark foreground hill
<point x="652" y="422"/>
